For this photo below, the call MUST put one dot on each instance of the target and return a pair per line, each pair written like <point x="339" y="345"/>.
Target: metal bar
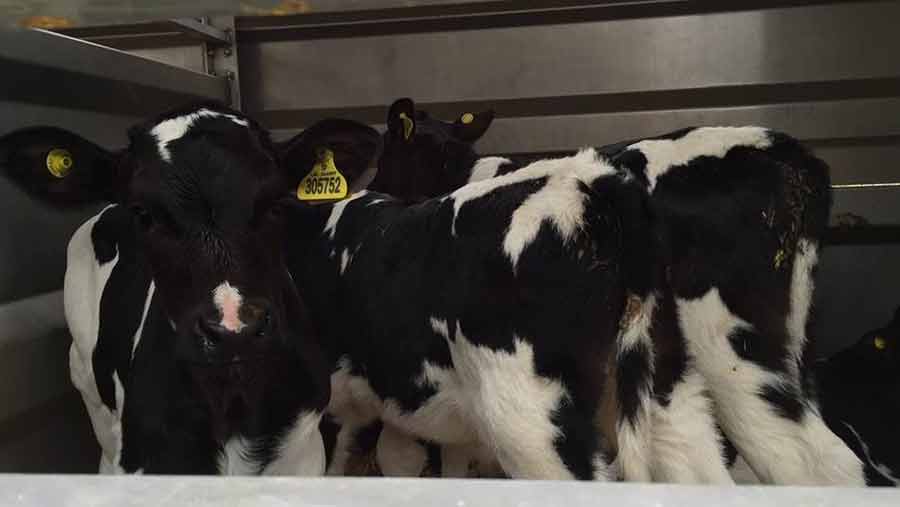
<point x="47" y="67"/>
<point x="870" y="234"/>
<point x="224" y="61"/>
<point x="480" y="15"/>
<point x="844" y="186"/>
<point x="201" y="31"/>
<point x="775" y="48"/>
<point x="153" y="34"/>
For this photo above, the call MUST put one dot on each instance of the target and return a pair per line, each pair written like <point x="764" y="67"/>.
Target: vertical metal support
<point x="222" y="60"/>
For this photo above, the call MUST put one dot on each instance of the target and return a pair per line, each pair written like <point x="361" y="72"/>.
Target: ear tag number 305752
<point x="324" y="181"/>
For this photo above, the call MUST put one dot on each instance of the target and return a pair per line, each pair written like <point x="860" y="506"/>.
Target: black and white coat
<point x="209" y="306"/>
<point x="722" y="255"/>
<point x="192" y="350"/>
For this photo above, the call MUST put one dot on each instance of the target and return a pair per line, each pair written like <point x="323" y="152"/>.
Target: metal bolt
<point x="229" y="75"/>
<point x="227" y="52"/>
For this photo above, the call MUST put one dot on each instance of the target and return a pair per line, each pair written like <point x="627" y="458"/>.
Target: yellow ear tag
<point x="407" y="126"/>
<point x="59" y="162"/>
<point x="324" y="181"/>
<point x="467" y="118"/>
<point x="880" y="343"/>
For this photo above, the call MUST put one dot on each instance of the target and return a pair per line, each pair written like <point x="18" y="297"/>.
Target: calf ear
<point x="57" y="166"/>
<point x="470" y="127"/>
<point x="354" y="145"/>
<point x="401" y="120"/>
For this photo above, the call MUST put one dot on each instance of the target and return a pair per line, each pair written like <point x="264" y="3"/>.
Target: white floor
<point x="44" y="490"/>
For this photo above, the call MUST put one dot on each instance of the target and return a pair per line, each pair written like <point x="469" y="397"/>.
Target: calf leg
<point x="760" y="401"/>
<point x="686" y="443"/>
<point x="400" y="454"/>
<point x="527" y="419"/>
<point x="455" y="460"/>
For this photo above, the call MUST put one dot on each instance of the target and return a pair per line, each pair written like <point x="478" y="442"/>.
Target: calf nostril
<point x="208" y="330"/>
<point x="264" y="324"/>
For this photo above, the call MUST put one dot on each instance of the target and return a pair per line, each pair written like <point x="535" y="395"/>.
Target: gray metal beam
<point x="48" y="68"/>
<point x="441" y="16"/>
<point x="152" y="34"/>
<point x="665" y="55"/>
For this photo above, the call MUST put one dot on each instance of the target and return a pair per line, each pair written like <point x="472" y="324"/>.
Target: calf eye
<point x="142" y="217"/>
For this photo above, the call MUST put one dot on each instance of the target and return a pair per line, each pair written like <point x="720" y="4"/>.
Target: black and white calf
<point x="191" y="346"/>
<point x="719" y="260"/>
<point x="483" y="319"/>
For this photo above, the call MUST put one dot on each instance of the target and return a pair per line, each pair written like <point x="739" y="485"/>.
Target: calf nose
<point x="255" y="319"/>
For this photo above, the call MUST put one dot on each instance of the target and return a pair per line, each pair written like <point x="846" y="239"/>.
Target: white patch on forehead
<point x="337" y="209"/>
<point x="169" y="130"/>
<point x="486" y="168"/>
<point x="228" y="301"/>
<point x="583" y="166"/>
<point x="663" y="154"/>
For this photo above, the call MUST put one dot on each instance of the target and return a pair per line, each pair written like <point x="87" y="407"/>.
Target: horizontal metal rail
<point x="47" y="68"/>
<point x="153" y="34"/>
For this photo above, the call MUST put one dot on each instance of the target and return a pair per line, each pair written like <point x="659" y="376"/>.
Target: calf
<point x="720" y="260"/>
<point x="192" y="348"/>
<point x="485" y="318"/>
<point x="860" y="391"/>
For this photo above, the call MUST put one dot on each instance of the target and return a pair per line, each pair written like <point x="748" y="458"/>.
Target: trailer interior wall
<point x="561" y="74"/>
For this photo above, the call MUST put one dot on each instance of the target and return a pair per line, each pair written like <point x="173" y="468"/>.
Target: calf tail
<point x="634" y="380"/>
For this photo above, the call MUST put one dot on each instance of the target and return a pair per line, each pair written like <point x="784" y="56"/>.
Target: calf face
<point x="206" y="190"/>
<point x="424" y="157"/>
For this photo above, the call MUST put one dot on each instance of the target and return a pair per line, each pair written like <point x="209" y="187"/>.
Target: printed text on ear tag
<point x="324" y="181"/>
<point x="407" y="126"/>
<point x="59" y="162"/>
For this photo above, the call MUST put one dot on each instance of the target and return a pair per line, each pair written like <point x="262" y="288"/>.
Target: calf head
<point x="424" y="157"/>
<point x="876" y="354"/>
<point x="207" y="191"/>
